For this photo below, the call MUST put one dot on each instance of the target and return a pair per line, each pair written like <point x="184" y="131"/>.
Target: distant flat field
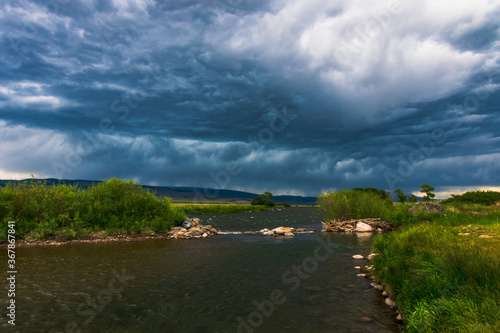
<point x="176" y="203"/>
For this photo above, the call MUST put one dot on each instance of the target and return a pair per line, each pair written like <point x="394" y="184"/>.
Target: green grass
<point x="220" y="208"/>
<point x="116" y="205"/>
<point x="444" y="281"/>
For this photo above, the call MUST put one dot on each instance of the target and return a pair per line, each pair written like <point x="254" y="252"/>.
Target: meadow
<point x="442" y="269"/>
<point x="218" y="208"/>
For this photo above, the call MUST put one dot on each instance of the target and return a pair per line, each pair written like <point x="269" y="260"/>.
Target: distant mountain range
<point x="185" y="194"/>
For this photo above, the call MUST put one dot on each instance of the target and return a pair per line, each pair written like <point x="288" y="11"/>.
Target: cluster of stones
<point x="363" y="225"/>
<point x="284" y="231"/>
<point x="192" y="228"/>
<point x="429" y="206"/>
<point x="367" y="272"/>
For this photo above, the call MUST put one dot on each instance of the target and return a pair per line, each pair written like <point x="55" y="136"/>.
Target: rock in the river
<point x="399" y="317"/>
<point x="191" y="228"/>
<point x="196" y="231"/>
<point x="305" y="230"/>
<point x="358" y="257"/>
<point x="389" y="301"/>
<point x="282" y="230"/>
<point x="366" y="319"/>
<point x="363" y="227"/>
<point x="371" y="256"/>
<point x="361" y="275"/>
<point x="289" y="234"/>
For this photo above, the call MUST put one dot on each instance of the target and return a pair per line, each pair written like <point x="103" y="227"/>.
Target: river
<point x="235" y="282"/>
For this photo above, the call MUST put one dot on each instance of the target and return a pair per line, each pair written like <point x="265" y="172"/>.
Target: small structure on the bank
<point x="363" y="225"/>
<point x="428" y="206"/>
<point x="192" y="228"/>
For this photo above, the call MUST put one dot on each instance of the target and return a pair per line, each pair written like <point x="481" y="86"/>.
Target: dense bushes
<point x="346" y="205"/>
<point x="486" y="198"/>
<point x="114" y="205"/>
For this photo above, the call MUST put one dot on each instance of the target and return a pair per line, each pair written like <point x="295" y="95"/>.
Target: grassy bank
<point x="445" y="278"/>
<point x="116" y="206"/>
<point x="442" y="274"/>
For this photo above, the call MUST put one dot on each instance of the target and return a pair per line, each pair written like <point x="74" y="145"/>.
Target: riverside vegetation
<point x="115" y="206"/>
<point x="442" y="268"/>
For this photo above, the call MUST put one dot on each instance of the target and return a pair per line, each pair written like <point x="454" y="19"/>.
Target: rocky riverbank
<point x="366" y="271"/>
<point x="192" y="228"/>
<point x="363" y="225"/>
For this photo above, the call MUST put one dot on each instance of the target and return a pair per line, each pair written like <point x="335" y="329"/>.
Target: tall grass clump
<point x="442" y="282"/>
<point x="346" y="204"/>
<point x="114" y="205"/>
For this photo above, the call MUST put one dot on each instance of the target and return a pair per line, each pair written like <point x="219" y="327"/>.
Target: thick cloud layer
<point x="284" y="96"/>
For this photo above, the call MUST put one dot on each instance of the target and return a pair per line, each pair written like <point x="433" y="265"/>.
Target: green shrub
<point x="486" y="198"/>
<point x="115" y="204"/>
<point x="345" y="205"/>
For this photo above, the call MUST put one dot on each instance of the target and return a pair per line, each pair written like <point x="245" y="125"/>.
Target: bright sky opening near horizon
<point x="292" y="97"/>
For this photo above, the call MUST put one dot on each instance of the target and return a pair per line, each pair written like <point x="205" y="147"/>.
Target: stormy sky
<point x="288" y="96"/>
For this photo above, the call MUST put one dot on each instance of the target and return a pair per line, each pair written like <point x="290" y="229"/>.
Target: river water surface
<point x="227" y="283"/>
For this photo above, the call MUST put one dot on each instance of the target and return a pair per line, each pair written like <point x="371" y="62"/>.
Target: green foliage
<point x="265" y="199"/>
<point x="412" y="199"/>
<point x="257" y="202"/>
<point x="345" y="205"/>
<point x="119" y="205"/>
<point x="284" y="204"/>
<point x="401" y="195"/>
<point x="486" y="198"/>
<point x="269" y="203"/>
<point x="382" y="193"/>
<point x="427" y="190"/>
<point x="443" y="282"/>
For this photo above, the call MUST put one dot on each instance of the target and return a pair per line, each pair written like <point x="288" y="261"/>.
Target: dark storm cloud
<point x="290" y="97"/>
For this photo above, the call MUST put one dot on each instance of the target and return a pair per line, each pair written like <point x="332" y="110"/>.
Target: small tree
<point x="264" y="199"/>
<point x="412" y="199"/>
<point x="401" y="195"/>
<point x="427" y="189"/>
